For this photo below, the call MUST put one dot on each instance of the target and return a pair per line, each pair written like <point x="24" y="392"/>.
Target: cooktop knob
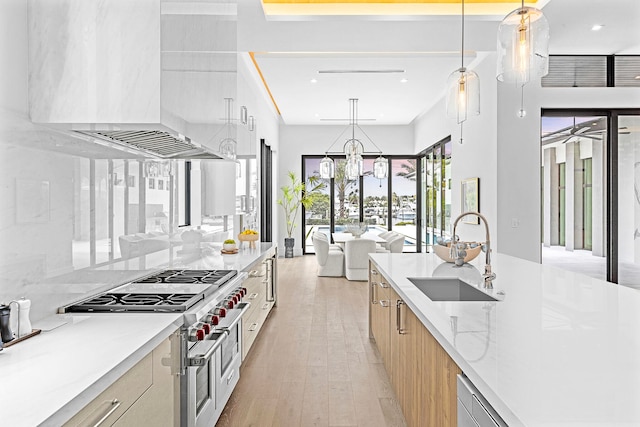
<point x="206" y="328"/>
<point x="220" y="311"/>
<point x="215" y="319"/>
<point x="230" y="304"/>
<point x="200" y="334"/>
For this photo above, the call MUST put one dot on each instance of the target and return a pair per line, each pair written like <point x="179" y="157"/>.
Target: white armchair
<point x="320" y="235"/>
<point x="356" y="258"/>
<point x="330" y="260"/>
<point x="396" y="244"/>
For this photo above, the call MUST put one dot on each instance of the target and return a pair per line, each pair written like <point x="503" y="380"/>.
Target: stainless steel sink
<point x="449" y="289"/>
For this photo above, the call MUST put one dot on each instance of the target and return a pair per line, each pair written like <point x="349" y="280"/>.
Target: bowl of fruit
<point x="250" y="236"/>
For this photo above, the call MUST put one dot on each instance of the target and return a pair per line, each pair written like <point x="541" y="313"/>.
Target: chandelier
<point x="463" y="90"/>
<point x="228" y="145"/>
<point x="354" y="150"/>
<point x="523" y="48"/>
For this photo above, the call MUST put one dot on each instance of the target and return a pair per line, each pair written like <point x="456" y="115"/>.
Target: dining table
<point x="340" y="238"/>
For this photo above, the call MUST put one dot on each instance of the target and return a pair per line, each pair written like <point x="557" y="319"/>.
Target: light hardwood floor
<point x="313" y="363"/>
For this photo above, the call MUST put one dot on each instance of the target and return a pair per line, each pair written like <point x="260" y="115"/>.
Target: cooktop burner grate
<point x="167" y="298"/>
<point x="214" y="277"/>
<point x="141" y="302"/>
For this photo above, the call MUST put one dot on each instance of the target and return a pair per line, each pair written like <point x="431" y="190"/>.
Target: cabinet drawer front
<point x="252" y="324"/>
<point x="116" y="399"/>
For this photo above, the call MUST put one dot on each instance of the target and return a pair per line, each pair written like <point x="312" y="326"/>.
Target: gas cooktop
<point x="168" y="291"/>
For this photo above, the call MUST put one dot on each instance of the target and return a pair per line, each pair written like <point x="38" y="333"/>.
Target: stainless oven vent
<point x="157" y="143"/>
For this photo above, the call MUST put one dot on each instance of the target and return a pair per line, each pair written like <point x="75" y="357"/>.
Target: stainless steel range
<point x="211" y="335"/>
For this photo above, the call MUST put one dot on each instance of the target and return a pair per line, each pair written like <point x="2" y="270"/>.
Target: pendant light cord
<point x="462" y="43"/>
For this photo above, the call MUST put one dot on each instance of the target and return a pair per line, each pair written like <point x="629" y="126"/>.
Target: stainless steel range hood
<point x="155" y="143"/>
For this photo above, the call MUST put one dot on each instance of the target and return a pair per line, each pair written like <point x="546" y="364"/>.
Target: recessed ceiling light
<point x="314" y="81"/>
<point x="597" y="27"/>
<point x="317" y="115"/>
<point x="637" y="77"/>
<point x="404" y="81"/>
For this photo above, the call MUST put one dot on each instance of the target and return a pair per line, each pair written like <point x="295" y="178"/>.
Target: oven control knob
<point x="215" y="319"/>
<point x="220" y="311"/>
<point x="239" y="295"/>
<point x="206" y="328"/>
<point x="244" y="291"/>
<point x="200" y="334"/>
<point x="230" y="304"/>
<point x="236" y="299"/>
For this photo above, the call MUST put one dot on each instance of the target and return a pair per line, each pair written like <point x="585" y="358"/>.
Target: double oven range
<point x="211" y="302"/>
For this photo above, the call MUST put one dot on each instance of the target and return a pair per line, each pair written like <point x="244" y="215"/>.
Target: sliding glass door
<point x="591" y="193"/>
<point x="384" y="204"/>
<point x="436" y="191"/>
<point x="629" y="200"/>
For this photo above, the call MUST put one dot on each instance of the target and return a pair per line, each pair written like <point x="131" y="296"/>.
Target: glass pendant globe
<point x="327" y="168"/>
<point x="380" y="167"/>
<point x="463" y="94"/>
<point x="523" y="46"/>
<point x="354" y="167"/>
<point x="228" y="148"/>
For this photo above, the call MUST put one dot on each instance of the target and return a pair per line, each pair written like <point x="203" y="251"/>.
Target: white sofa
<point x="330" y="257"/>
<point x="356" y="258"/>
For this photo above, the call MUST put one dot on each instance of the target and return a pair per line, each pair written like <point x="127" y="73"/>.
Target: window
<point x="364" y="199"/>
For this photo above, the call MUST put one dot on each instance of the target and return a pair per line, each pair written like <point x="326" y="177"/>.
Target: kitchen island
<point x="50" y="377"/>
<point x="557" y="349"/>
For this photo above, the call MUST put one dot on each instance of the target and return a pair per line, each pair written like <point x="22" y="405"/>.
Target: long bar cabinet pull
<point x="373" y="293"/>
<point x="115" y="404"/>
<point x="399" y="316"/>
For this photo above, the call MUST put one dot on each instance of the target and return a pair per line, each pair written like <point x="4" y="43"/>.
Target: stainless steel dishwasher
<point x="473" y="408"/>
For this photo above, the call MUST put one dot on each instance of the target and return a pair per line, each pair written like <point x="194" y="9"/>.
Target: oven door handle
<point x="245" y="307"/>
<point x="202" y="359"/>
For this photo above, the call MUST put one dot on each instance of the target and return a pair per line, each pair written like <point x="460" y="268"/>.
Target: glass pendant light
<point x="228" y="146"/>
<point x="327" y="168"/>
<point x="380" y="167"/>
<point x="463" y="90"/>
<point x="354" y="167"/>
<point x="353" y="150"/>
<point x="523" y="48"/>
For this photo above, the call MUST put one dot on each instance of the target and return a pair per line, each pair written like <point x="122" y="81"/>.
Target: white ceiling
<point x="290" y="53"/>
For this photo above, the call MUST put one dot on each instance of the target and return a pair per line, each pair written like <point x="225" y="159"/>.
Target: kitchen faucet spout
<point x="488" y="275"/>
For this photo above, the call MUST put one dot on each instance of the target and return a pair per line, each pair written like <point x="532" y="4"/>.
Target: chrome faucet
<point x="459" y="253"/>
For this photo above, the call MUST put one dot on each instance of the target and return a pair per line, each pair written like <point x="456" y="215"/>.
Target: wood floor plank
<point x="313" y="363"/>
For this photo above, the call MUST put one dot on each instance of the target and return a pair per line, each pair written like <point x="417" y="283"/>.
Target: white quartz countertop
<point x="560" y="349"/>
<point x="47" y="378"/>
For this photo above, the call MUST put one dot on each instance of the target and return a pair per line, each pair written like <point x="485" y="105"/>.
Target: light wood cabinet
<point x="422" y="373"/>
<point x="379" y="314"/>
<point x="147" y="394"/>
<point x="259" y="295"/>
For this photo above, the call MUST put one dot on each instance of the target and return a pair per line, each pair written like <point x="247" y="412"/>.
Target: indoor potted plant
<point x="229" y="245"/>
<point x="294" y="194"/>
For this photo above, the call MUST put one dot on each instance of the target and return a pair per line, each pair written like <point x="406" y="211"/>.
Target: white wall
<point x="296" y="141"/>
<point x="475" y="157"/>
